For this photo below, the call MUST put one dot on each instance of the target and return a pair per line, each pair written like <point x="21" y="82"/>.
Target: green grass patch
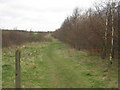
<point x="56" y="65"/>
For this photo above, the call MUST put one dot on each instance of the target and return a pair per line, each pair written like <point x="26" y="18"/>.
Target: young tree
<point x="118" y="11"/>
<point x="112" y="36"/>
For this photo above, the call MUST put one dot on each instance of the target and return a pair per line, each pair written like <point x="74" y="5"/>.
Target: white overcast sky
<point x="38" y="15"/>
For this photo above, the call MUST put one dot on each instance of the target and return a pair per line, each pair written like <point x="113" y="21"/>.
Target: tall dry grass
<point x="18" y="37"/>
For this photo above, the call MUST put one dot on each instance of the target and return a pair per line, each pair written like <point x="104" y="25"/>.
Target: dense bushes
<point x="17" y="37"/>
<point x="86" y="30"/>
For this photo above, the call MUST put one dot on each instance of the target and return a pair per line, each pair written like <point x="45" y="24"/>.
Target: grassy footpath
<point x="53" y="65"/>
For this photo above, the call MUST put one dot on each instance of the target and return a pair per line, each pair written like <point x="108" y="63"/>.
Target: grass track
<point x="56" y="65"/>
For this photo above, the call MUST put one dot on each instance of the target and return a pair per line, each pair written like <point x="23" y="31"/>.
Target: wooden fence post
<point x="17" y="67"/>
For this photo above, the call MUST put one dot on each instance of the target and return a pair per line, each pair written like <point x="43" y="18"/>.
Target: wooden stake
<point x="17" y="66"/>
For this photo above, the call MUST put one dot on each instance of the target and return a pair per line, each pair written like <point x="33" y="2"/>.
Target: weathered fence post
<point x="17" y="67"/>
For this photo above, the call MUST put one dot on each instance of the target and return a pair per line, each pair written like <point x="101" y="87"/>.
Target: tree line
<point x="19" y="37"/>
<point x="95" y="30"/>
